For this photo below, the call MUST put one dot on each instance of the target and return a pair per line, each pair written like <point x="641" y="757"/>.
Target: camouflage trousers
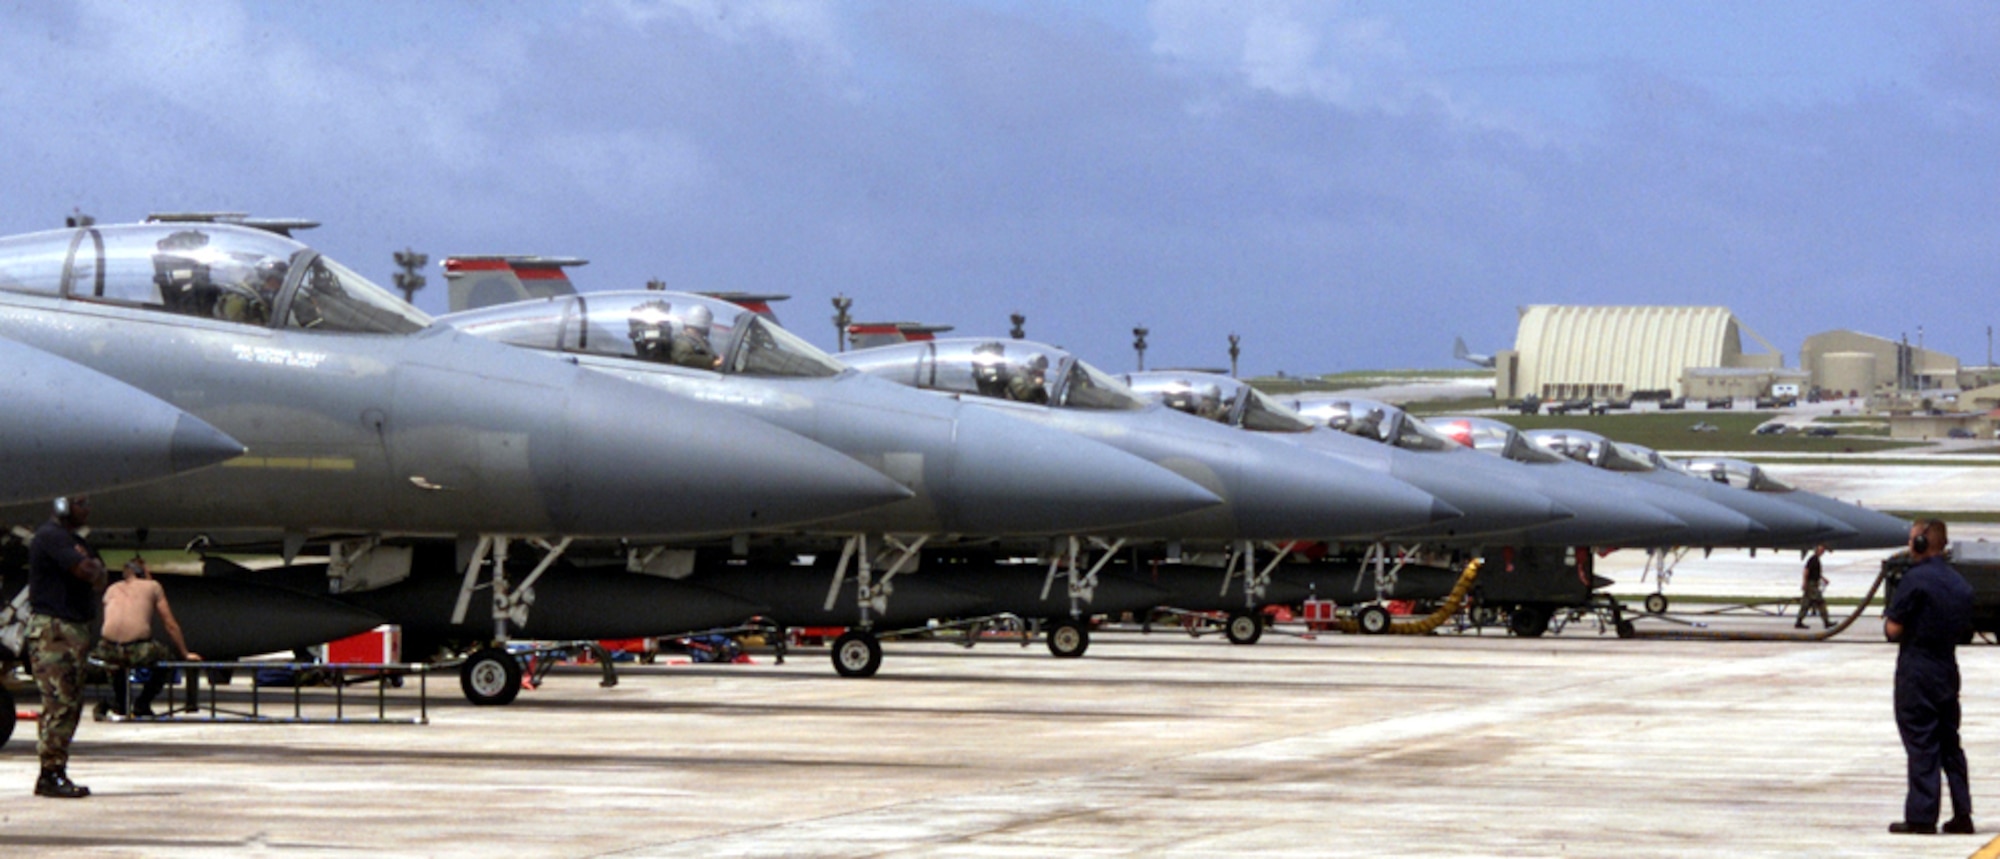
<point x="121" y="658"/>
<point x="57" y="652"/>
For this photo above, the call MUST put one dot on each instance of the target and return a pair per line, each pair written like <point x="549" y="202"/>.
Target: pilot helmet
<point x="698" y="318"/>
<point x="648" y="322"/>
<point x="268" y="277"/>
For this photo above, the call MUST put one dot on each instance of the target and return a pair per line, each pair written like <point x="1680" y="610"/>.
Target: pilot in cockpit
<point x="1031" y="385"/>
<point x="989" y="371"/>
<point x="691" y="345"/>
<point x="250" y="301"/>
<point x="651" y="329"/>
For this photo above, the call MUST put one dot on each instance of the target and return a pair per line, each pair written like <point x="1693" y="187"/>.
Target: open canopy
<point x="1019" y="370"/>
<point x="206" y="271"/>
<point x="672" y="328"/>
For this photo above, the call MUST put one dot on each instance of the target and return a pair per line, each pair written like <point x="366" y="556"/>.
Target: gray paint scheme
<point x="972" y="470"/>
<point x="426" y="433"/>
<point x="1873" y="529"/>
<point x="1490" y="506"/>
<point x="1271" y="490"/>
<point x="68" y="429"/>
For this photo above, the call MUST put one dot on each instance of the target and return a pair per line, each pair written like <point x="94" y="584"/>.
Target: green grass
<point x="1669" y="431"/>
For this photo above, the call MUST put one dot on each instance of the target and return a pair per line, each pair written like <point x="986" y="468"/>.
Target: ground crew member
<point x="1930" y="615"/>
<point x="1812" y="592"/>
<point x="64" y="577"/>
<point x="129" y="609"/>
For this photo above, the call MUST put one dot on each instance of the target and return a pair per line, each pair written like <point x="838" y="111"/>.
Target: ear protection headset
<point x="62" y="508"/>
<point x="1921" y="543"/>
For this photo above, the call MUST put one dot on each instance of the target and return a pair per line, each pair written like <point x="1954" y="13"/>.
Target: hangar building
<point x="1568" y="351"/>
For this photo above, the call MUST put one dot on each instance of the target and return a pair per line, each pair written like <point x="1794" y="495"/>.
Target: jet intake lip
<point x="1442" y="511"/>
<point x="196" y="444"/>
<point x="1010" y="476"/>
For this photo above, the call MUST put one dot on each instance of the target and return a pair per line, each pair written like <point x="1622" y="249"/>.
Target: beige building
<point x="1865" y="363"/>
<point x="1565" y="351"/>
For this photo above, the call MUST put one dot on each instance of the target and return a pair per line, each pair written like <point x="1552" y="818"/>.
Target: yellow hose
<point x="1435" y="619"/>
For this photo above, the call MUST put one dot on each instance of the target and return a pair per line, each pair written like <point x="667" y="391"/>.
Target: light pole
<point x="410" y="279"/>
<point x="1018" y="333"/>
<point x="1139" y="345"/>
<point x="841" y="320"/>
<point x="1233" y="352"/>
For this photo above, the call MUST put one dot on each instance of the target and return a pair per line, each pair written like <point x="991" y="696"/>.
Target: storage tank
<point x="1847" y="371"/>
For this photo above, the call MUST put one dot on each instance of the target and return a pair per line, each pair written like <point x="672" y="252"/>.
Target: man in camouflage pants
<point x="64" y="578"/>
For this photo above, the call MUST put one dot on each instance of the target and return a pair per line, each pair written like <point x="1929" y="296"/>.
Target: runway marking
<point x="1990" y="851"/>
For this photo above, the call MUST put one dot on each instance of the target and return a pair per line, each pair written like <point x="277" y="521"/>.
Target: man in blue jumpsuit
<point x="1930" y="615"/>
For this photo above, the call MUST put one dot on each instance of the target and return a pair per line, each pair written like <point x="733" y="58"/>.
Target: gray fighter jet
<point x="972" y="470"/>
<point x="1493" y="504"/>
<point x="1786" y="525"/>
<point x="69" y="429"/>
<point x="1873" y="529"/>
<point x="1271" y="490"/>
<point x="365" y="422"/>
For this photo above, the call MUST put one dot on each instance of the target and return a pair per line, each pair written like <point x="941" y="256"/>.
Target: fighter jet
<point x="366" y="423"/>
<point x="68" y="429"/>
<point x="1499" y="503"/>
<point x="1786" y="525"/>
<point x="1873" y="529"/>
<point x="971" y="470"/>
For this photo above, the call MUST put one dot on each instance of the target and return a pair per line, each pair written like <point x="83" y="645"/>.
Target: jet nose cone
<point x="1010" y="476"/>
<point x="1605" y="519"/>
<point x="644" y="462"/>
<point x="1708" y="523"/>
<point x="1490" y="502"/>
<point x="1286" y="492"/>
<point x="195" y="444"/>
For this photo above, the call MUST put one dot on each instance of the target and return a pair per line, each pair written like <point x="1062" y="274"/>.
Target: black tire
<point x="1068" y="639"/>
<point x="1656" y="603"/>
<point x="1528" y="621"/>
<point x="1244" y="627"/>
<point x="1624" y="628"/>
<point x="1374" y="620"/>
<point x="857" y="653"/>
<point x="1485" y="615"/>
<point x="6" y="715"/>
<point x="490" y="677"/>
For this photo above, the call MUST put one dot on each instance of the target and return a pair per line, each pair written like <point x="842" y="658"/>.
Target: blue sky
<point x="1346" y="185"/>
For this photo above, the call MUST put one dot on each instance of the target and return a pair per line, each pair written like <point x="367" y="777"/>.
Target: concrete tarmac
<point x="1151" y="745"/>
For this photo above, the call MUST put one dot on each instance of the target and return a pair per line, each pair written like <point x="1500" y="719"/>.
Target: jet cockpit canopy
<point x="1220" y="399"/>
<point x="1019" y="370"/>
<point x="1736" y="472"/>
<point x="1491" y="436"/>
<point x="1376" y="421"/>
<point x="209" y="271"/>
<point x="1653" y="457"/>
<point x="1590" y="449"/>
<point x="674" y="328"/>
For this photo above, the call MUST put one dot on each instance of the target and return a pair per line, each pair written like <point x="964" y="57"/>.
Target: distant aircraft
<point x="1459" y="351"/>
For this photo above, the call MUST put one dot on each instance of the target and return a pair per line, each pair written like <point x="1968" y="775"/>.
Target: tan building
<point x="1565" y="351"/>
<point x="1865" y="363"/>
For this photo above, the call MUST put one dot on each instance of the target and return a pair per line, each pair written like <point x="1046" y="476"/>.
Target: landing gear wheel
<point x="491" y="677"/>
<point x="1625" y="629"/>
<point x="857" y="653"/>
<point x="1485" y="615"/>
<point x="1528" y="621"/>
<point x="6" y="715"/>
<point x="1244" y="627"/>
<point x="1068" y="639"/>
<point x="1656" y="603"/>
<point x="1374" y="619"/>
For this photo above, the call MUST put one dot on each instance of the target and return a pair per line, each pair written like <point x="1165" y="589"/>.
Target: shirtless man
<point x="127" y="643"/>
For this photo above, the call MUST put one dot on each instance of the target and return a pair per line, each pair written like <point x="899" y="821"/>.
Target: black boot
<point x="56" y="783"/>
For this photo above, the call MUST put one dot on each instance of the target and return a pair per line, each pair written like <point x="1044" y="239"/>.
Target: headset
<point x="62" y="507"/>
<point x="1921" y="544"/>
